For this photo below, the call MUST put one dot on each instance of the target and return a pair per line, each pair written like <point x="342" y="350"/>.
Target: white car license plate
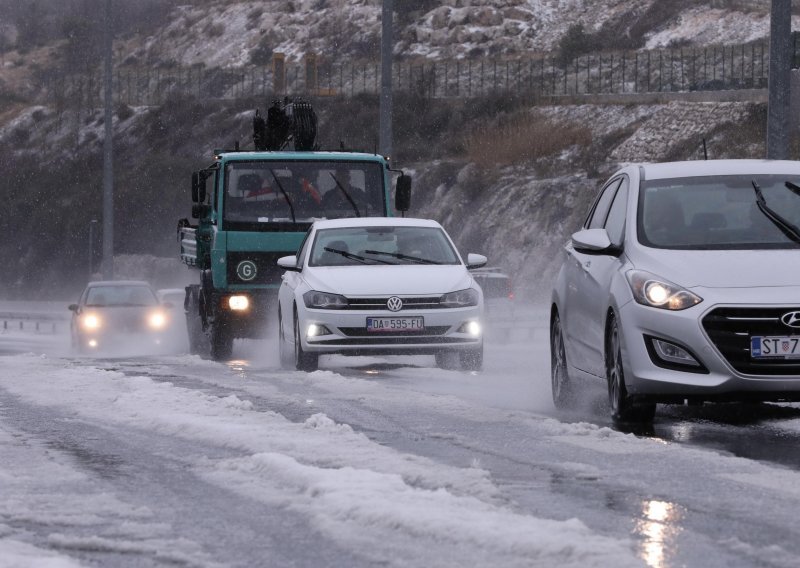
<point x="784" y="347"/>
<point x="395" y="324"/>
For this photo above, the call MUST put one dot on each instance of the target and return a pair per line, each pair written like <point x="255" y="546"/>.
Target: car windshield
<point x="301" y="191"/>
<point x="120" y="296"/>
<point x="382" y="245"/>
<point x="718" y="212"/>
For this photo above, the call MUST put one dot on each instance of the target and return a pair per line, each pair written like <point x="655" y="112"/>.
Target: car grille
<point x="267" y="269"/>
<point x="730" y="330"/>
<point x="362" y="332"/>
<point x="418" y="303"/>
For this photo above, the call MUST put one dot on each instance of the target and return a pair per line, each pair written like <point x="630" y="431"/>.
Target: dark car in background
<point x="498" y="292"/>
<point x="118" y="315"/>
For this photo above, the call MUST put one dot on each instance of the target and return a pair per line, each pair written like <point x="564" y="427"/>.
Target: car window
<point x="495" y="286"/>
<point x="615" y="224"/>
<point x="301" y="252"/>
<point x="382" y="245"/>
<point x="715" y="212"/>
<point x="597" y="218"/>
<point x="100" y="296"/>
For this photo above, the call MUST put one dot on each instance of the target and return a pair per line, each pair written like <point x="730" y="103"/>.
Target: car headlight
<point x="324" y="300"/>
<point x="656" y="292"/>
<point x="90" y="321"/>
<point x="460" y="299"/>
<point x="156" y="320"/>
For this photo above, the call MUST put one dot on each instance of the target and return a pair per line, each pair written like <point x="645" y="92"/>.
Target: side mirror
<point x="289" y="263"/>
<point x="593" y="241"/>
<point x="402" y="193"/>
<point x="73" y="307"/>
<point x="476" y="261"/>
<point x="198" y="187"/>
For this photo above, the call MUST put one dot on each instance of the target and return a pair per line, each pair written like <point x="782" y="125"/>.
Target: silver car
<point x="683" y="286"/>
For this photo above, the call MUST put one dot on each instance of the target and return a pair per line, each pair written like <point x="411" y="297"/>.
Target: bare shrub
<point x="523" y="139"/>
<point x="212" y="29"/>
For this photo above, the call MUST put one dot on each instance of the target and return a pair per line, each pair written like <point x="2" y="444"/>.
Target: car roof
<point x="375" y="222"/>
<point x="700" y="168"/>
<point x="118" y="283"/>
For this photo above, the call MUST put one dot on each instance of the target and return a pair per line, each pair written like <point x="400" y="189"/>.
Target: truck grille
<point x="730" y="330"/>
<point x="267" y="270"/>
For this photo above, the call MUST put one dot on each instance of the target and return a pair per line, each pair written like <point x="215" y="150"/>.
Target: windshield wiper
<point x="793" y="187"/>
<point x="347" y="195"/>
<point x="355" y="257"/>
<point x="787" y="228"/>
<point x="402" y="256"/>
<point x="286" y="195"/>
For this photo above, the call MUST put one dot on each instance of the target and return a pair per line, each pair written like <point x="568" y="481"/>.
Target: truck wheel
<point x="194" y="326"/>
<point x="303" y="361"/>
<point x="221" y="342"/>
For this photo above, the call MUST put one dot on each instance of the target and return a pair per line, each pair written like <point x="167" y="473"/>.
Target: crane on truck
<point x="253" y="207"/>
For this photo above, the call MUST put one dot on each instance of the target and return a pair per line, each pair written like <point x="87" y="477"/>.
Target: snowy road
<point x="141" y="461"/>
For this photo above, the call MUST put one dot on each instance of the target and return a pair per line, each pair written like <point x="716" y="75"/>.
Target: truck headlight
<point x="238" y="303"/>
<point x="91" y="321"/>
<point x="156" y="320"/>
<point x="656" y="292"/>
<point x="324" y="300"/>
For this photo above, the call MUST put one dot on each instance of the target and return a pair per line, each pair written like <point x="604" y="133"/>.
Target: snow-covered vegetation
<point x="508" y="176"/>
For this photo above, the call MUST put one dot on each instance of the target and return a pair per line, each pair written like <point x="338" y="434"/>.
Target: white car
<point x="382" y="286"/>
<point x="683" y="285"/>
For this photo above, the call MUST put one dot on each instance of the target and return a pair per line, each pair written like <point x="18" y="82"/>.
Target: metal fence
<point x="665" y="70"/>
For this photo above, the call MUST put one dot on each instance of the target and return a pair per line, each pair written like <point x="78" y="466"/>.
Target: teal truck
<point x="253" y="207"/>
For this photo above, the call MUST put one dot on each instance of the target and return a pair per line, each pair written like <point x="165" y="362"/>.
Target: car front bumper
<point x="444" y="330"/>
<point x="650" y="377"/>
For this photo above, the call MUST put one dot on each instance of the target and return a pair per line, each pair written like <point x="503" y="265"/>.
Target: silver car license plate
<point x="395" y="324"/>
<point x="781" y="347"/>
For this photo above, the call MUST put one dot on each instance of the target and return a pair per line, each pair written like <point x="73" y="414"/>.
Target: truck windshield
<point x="715" y="212"/>
<point x="298" y="192"/>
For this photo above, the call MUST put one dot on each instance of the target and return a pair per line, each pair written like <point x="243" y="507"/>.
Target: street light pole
<point x="92" y="226"/>
<point x="386" y="79"/>
<point x="779" y="80"/>
<point x="108" y="166"/>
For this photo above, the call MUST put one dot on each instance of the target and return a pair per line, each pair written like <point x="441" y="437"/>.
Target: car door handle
<point x="587" y="264"/>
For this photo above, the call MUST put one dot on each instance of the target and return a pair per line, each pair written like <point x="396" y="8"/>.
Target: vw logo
<point x="246" y="270"/>
<point x="395" y="304"/>
<point x="791" y="319"/>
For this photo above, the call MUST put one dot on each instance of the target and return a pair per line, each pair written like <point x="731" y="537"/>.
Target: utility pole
<point x="108" y="165"/>
<point x="779" y="80"/>
<point x="386" y="79"/>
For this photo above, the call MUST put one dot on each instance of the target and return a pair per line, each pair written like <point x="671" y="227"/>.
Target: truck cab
<point x="255" y="207"/>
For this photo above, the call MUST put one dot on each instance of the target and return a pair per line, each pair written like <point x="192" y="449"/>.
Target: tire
<point x="221" y="341"/>
<point x="194" y="326"/>
<point x="284" y="351"/>
<point x="447" y="360"/>
<point x="303" y="361"/>
<point x="471" y="360"/>
<point x="623" y="409"/>
<point x="560" y="383"/>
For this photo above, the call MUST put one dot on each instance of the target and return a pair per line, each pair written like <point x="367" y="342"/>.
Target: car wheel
<point x="221" y="342"/>
<point x="284" y="352"/>
<point x="623" y="409"/>
<point x="303" y="361"/>
<point x="447" y="360"/>
<point x="471" y="360"/>
<point x="561" y="386"/>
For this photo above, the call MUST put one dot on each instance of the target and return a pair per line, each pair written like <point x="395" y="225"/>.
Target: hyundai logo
<point x="395" y="304"/>
<point x="791" y="319"/>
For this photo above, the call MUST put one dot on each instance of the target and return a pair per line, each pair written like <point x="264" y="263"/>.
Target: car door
<point x="583" y="279"/>
<point x="289" y="282"/>
<point x="599" y="273"/>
